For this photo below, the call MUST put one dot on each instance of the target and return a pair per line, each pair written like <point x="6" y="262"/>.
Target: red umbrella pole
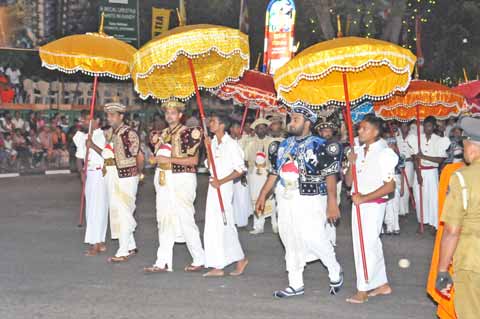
<point x="257" y="115"/>
<point x="85" y="162"/>
<point x="209" y="147"/>
<point x="244" y="118"/>
<point x="354" y="175"/>
<point x="420" y="187"/>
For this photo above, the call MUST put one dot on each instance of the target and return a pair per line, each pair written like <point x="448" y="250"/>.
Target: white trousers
<point x="405" y="199"/>
<point x="392" y="209"/>
<point x="175" y="217"/>
<point x="122" y="193"/>
<point x="255" y="184"/>
<point x="301" y="225"/>
<point x="96" y="207"/>
<point x="242" y="208"/>
<point x="331" y="229"/>
<point x="372" y="216"/>
<point x="430" y="197"/>
<point x="222" y="245"/>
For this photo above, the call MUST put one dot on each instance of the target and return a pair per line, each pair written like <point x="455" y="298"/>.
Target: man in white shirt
<point x="14" y="75"/>
<point x="427" y="159"/>
<point x="18" y="122"/>
<point x="96" y="208"/>
<point x="222" y="245"/>
<point x="408" y="172"/>
<point x="375" y="168"/>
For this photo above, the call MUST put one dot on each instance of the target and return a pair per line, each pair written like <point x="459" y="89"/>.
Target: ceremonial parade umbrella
<point x="95" y="54"/>
<point x="471" y="91"/>
<point x="177" y="63"/>
<point x="255" y="90"/>
<point x="341" y="72"/>
<point x="422" y="99"/>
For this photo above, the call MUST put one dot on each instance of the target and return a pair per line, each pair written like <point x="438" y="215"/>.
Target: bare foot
<point x="383" y="290"/>
<point x="101" y="247"/>
<point x="241" y="265"/>
<point x="359" y="298"/>
<point x="92" y="251"/>
<point x="215" y="273"/>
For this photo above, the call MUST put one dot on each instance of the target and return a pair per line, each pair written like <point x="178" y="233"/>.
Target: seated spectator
<point x="60" y="148"/>
<point x="20" y="146"/>
<point x="64" y="124"/>
<point x="3" y="154"/>
<point x="6" y="124"/>
<point x="18" y="122"/>
<point x="45" y="138"/>
<point x="35" y="148"/>
<point x="8" y="144"/>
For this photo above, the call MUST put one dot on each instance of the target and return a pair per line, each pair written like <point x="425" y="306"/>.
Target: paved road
<point x="43" y="273"/>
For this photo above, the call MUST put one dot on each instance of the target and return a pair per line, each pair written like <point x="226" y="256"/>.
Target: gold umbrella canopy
<point x="95" y="54"/>
<point x="375" y="70"/>
<point x="161" y="70"/>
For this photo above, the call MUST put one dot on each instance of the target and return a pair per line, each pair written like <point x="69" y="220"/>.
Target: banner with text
<point x="121" y="20"/>
<point x="160" y="21"/>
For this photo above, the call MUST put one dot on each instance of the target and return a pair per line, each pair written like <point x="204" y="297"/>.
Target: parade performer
<point x="433" y="151"/>
<point x="222" y="245"/>
<point x="327" y="128"/>
<point x="392" y="210"/>
<point x="96" y="208"/>
<point x="462" y="225"/>
<point x="306" y="169"/>
<point x="375" y="169"/>
<point x="175" y="181"/>
<point x="408" y="172"/>
<point x="242" y="208"/>
<point x="258" y="167"/>
<point x="122" y="161"/>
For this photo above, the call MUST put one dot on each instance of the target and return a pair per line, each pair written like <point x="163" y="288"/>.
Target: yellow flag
<point x="160" y="21"/>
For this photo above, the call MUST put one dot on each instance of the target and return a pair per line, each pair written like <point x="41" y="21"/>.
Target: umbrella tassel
<point x="208" y="146"/>
<point x="85" y="162"/>
<point x="354" y="175"/>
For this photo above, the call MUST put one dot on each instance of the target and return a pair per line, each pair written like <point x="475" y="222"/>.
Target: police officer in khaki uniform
<point x="461" y="237"/>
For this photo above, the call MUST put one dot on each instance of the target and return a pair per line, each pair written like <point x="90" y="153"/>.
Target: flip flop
<point x="211" y="274"/>
<point x="192" y="268"/>
<point x="154" y="270"/>
<point x="355" y="301"/>
<point x="237" y="273"/>
<point x="114" y="259"/>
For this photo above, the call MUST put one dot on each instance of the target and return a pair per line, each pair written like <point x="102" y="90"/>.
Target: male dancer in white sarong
<point x="122" y="180"/>
<point x="176" y="150"/>
<point x="306" y="169"/>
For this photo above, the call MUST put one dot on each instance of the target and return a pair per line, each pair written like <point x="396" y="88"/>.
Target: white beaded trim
<point x="87" y="72"/>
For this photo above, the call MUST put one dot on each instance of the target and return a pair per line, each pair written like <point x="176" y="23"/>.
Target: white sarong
<point x="96" y="207"/>
<point x="242" y="208"/>
<point x="392" y="209"/>
<point x="405" y="199"/>
<point x="430" y="197"/>
<point x="122" y="193"/>
<point x="372" y="215"/>
<point x="301" y="225"/>
<point x="175" y="217"/>
<point x="255" y="184"/>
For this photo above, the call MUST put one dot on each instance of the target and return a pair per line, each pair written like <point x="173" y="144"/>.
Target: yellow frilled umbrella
<point x="161" y="68"/>
<point x="422" y="99"/>
<point x="344" y="70"/>
<point x="177" y="63"/>
<point x="95" y="54"/>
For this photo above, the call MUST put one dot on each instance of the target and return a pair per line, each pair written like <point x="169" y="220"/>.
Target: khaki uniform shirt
<point x="467" y="254"/>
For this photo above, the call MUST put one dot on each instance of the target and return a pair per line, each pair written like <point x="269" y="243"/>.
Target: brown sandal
<point x="115" y="259"/>
<point x="154" y="270"/>
<point x="192" y="268"/>
<point x="92" y="251"/>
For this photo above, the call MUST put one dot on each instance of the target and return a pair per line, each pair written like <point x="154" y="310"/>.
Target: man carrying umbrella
<point x="176" y="151"/>
<point x="124" y="143"/>
<point x="306" y="168"/>
<point x="375" y="169"/>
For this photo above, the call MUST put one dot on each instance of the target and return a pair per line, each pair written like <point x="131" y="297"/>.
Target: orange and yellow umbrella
<point x="425" y="98"/>
<point x="343" y="71"/>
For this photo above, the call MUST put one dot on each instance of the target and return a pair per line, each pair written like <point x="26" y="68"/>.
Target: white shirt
<point x="436" y="147"/>
<point x="228" y="156"/>
<point x="18" y="123"/>
<point x="403" y="146"/>
<point x="13" y="75"/>
<point x="376" y="167"/>
<point x="94" y="159"/>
